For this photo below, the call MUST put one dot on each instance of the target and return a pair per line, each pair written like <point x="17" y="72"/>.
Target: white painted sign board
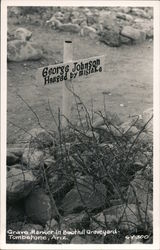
<point x="54" y="74"/>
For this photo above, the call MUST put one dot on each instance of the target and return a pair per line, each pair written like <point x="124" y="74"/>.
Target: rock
<point x="77" y="221"/>
<point x="110" y="118"/>
<point x="15" y="213"/>
<point x="19" y="184"/>
<point x="144" y="25"/>
<point x="78" y="240"/>
<point x="32" y="158"/>
<point x="42" y="139"/>
<point x="89" y="31"/>
<point x="128" y="124"/>
<point x="125" y="40"/>
<point x="50" y="163"/>
<point x="149" y="12"/>
<point x="39" y="138"/>
<point x="10" y="36"/>
<point x="66" y="27"/>
<point x="98" y="27"/>
<point x="38" y="207"/>
<point x="132" y="131"/>
<point x="69" y="27"/>
<point x="53" y="224"/>
<point x="67" y="17"/>
<point x="128" y="217"/>
<point x="125" y="9"/>
<point x="75" y="14"/>
<point x="12" y="158"/>
<point x="91" y="19"/>
<point x="128" y="128"/>
<point x="116" y="131"/>
<point x="99" y="122"/>
<point x="138" y="166"/>
<point x="19" y="166"/>
<point x="89" y="195"/>
<point x="149" y="33"/>
<point x="19" y="50"/>
<point x="146" y="116"/>
<point x="141" y="190"/>
<point x="146" y="138"/>
<point x="59" y="187"/>
<point x="14" y="11"/>
<point x="93" y="135"/>
<point x="139" y="12"/>
<point x="115" y="202"/>
<point x="110" y="129"/>
<point x="107" y="19"/>
<point x="99" y="221"/>
<point x="144" y="157"/>
<point x="132" y="217"/>
<point x="124" y="16"/>
<point x="79" y="21"/>
<point x="134" y="34"/>
<point x="111" y="37"/>
<point x="148" y="173"/>
<point x="22" y="34"/>
<point x="34" y="238"/>
<point x="146" y="121"/>
<point x="113" y="118"/>
<point x="59" y="16"/>
<point x="18" y="151"/>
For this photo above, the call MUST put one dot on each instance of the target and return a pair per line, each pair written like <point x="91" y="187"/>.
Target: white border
<point x="156" y="105"/>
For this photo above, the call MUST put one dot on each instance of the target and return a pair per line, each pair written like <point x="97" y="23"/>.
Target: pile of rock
<point x="113" y="26"/>
<point x="45" y="192"/>
<point x="20" y="48"/>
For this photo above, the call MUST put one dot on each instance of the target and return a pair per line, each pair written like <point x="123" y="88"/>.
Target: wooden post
<point x="67" y="96"/>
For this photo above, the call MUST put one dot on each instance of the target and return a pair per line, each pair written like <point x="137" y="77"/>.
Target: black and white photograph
<point x="80" y="148"/>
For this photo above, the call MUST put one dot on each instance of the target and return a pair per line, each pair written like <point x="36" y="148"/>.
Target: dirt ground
<point x="126" y="85"/>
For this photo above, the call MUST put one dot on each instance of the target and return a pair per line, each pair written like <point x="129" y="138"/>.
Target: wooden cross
<point x="67" y="72"/>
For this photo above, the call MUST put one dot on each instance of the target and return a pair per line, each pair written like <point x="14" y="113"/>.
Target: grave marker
<point x="67" y="72"/>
